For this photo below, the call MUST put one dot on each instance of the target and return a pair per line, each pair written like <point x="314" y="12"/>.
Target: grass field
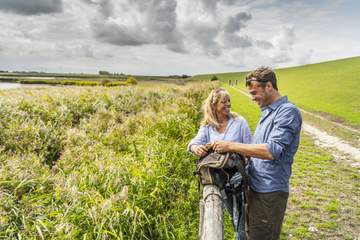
<point x="110" y="163"/>
<point x="99" y="163"/>
<point x="330" y="88"/>
<point x="324" y="201"/>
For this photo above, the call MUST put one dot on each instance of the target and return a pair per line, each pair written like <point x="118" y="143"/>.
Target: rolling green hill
<point x="330" y="88"/>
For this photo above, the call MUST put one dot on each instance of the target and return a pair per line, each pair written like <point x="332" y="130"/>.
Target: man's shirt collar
<point x="275" y="104"/>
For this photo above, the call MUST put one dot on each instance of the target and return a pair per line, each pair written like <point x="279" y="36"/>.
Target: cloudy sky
<point x="162" y="37"/>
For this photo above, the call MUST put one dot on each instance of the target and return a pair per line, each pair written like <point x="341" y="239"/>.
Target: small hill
<point x="331" y="88"/>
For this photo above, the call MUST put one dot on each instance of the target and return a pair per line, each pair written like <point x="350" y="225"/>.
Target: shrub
<point x="116" y="83"/>
<point x="104" y="82"/>
<point x="214" y="78"/>
<point x="101" y="72"/>
<point x="131" y="80"/>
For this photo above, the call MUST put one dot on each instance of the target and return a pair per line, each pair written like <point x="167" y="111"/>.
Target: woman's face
<point x="222" y="107"/>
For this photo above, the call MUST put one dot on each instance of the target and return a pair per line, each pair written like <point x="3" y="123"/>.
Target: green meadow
<point x="330" y="88"/>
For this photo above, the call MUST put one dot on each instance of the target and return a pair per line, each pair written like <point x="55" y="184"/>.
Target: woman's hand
<point x="198" y="150"/>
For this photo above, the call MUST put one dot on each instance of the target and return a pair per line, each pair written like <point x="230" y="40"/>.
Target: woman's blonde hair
<point x="214" y="97"/>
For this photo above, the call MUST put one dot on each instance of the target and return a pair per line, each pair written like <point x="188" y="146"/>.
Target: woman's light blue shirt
<point x="237" y="130"/>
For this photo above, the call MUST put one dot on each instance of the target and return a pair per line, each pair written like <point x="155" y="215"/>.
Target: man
<point x="275" y="143"/>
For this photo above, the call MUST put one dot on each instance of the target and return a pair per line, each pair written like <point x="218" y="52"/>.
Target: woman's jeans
<point x="235" y="204"/>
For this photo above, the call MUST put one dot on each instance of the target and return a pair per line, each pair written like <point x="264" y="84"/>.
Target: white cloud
<point x="170" y="36"/>
<point x="135" y="23"/>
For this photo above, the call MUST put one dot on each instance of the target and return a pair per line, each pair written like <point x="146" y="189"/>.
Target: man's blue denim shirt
<point x="279" y="128"/>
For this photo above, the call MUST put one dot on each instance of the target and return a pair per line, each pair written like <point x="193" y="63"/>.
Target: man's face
<point x="259" y="94"/>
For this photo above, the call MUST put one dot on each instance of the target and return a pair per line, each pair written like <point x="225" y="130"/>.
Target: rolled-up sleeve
<point x="199" y="139"/>
<point x="286" y="124"/>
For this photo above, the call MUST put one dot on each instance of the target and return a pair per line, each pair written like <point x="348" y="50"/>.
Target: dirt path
<point x="325" y="140"/>
<point x="339" y="148"/>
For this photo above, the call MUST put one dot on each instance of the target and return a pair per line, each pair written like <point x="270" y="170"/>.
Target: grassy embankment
<point x="99" y="163"/>
<point x="330" y="89"/>
<point x="324" y="201"/>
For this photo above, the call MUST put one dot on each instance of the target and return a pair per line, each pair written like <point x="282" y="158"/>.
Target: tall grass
<point x="99" y="163"/>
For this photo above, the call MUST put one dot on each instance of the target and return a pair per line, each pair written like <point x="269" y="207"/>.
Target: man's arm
<point x="286" y="126"/>
<point x="253" y="150"/>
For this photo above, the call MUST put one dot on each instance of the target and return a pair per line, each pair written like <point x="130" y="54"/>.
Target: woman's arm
<point x="200" y="139"/>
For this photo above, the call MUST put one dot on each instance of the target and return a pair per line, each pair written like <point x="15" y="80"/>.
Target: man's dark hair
<point x="262" y="75"/>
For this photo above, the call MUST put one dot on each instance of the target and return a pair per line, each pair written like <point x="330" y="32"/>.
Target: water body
<point x="7" y="85"/>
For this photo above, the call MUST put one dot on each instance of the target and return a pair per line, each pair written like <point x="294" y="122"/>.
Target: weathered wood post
<point x="211" y="214"/>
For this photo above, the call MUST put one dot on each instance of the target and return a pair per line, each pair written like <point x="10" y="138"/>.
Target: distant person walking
<point x="220" y="123"/>
<point x="275" y="143"/>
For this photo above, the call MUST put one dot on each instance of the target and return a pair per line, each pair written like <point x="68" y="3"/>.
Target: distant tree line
<point x="102" y="72"/>
<point x="180" y="76"/>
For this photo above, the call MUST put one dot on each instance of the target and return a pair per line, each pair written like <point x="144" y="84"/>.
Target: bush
<point x="116" y="83"/>
<point x="104" y="82"/>
<point x="101" y="72"/>
<point x="214" y="78"/>
<point x="131" y="80"/>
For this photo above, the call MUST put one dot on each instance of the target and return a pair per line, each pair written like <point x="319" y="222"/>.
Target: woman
<point x="219" y="123"/>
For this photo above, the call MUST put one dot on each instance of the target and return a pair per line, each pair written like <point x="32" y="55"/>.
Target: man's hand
<point x="221" y="146"/>
<point x="198" y="150"/>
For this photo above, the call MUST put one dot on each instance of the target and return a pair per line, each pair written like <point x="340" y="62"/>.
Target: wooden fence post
<point x="211" y="214"/>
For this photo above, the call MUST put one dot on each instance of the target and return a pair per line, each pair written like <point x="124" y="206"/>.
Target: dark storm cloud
<point x="138" y="22"/>
<point x="235" y="23"/>
<point x="232" y="37"/>
<point x="107" y="8"/>
<point x="151" y="22"/>
<point x="119" y="35"/>
<point x="31" y="7"/>
<point x="162" y="21"/>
